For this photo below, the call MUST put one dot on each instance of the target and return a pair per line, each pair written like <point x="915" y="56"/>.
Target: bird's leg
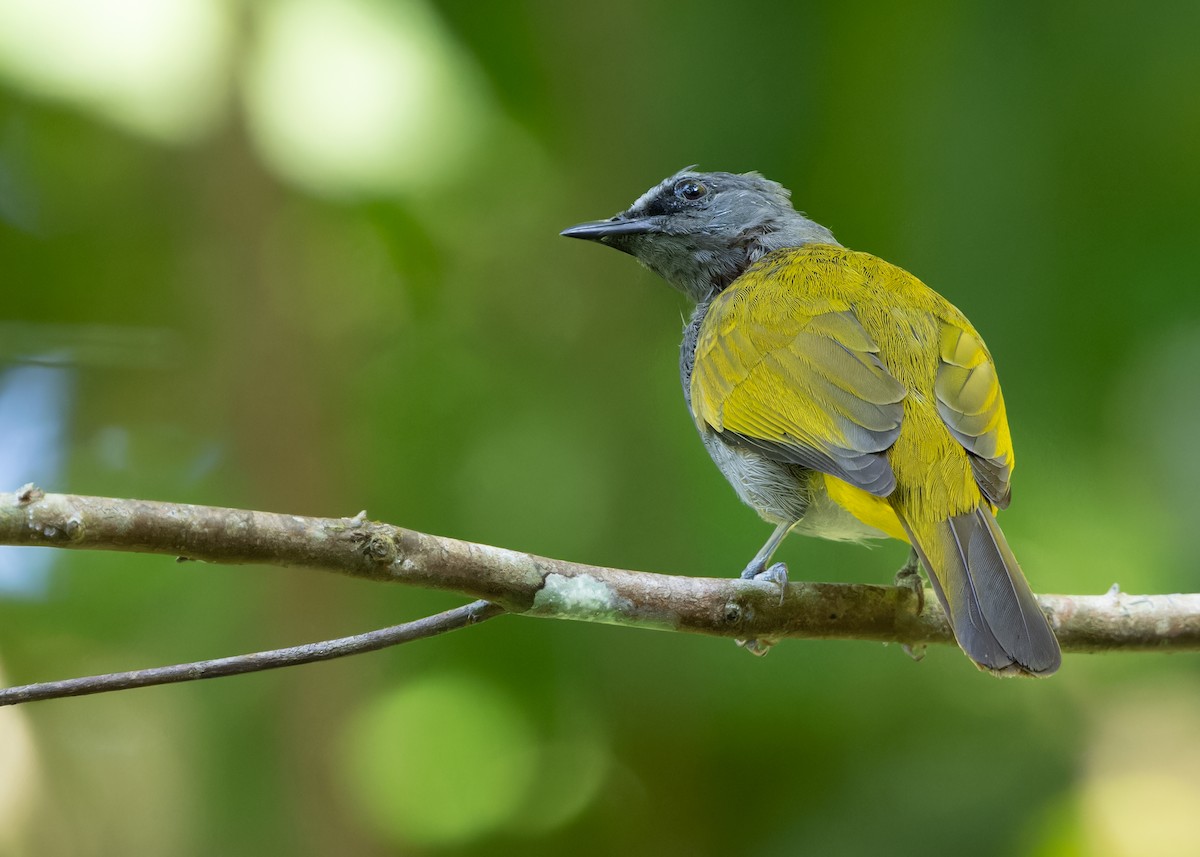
<point x="777" y="573"/>
<point x="758" y="569"/>
<point x="909" y="577"/>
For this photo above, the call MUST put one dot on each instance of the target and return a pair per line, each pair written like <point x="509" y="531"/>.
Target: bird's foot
<point x="909" y="577"/>
<point x="757" y="647"/>
<point x="776" y="574"/>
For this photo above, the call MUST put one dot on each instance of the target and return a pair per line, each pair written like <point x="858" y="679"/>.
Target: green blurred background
<point x="302" y="255"/>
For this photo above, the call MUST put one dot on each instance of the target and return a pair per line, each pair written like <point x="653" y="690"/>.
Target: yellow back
<point x="841" y="361"/>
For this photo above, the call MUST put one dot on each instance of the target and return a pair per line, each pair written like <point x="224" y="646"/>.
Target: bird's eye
<point x="690" y="189"/>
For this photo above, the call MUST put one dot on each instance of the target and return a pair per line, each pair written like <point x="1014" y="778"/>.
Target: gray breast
<point x="779" y="492"/>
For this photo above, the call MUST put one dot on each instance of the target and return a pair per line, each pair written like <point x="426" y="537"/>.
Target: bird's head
<point x="700" y="231"/>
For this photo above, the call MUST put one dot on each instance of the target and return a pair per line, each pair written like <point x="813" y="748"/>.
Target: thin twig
<point x="430" y="626"/>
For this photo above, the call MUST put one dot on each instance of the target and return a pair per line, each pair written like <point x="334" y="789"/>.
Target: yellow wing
<point x="799" y="380"/>
<point x="970" y="403"/>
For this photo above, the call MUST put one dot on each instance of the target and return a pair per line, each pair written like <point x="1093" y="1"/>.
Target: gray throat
<point x="710" y="270"/>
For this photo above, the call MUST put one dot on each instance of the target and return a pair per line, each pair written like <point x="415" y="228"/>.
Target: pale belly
<point x="786" y="493"/>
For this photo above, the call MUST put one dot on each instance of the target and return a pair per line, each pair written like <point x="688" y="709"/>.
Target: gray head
<point x="700" y="231"/>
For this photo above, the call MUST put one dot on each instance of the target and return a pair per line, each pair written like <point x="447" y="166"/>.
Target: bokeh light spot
<point x="443" y="760"/>
<point x="155" y="67"/>
<point x="359" y="96"/>
<point x="573" y="769"/>
<point x="1141" y="784"/>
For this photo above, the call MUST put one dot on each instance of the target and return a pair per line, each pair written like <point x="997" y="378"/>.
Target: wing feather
<point x="758" y="386"/>
<point x="971" y="404"/>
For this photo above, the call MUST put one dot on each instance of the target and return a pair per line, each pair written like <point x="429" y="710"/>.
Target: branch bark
<point x="538" y="586"/>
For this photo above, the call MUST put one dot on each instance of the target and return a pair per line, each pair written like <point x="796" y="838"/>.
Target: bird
<point x="841" y="397"/>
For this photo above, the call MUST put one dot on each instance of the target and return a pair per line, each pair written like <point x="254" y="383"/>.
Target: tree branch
<point x="537" y="586"/>
<point x="430" y="626"/>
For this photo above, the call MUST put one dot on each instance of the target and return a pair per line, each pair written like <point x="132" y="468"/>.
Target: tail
<point x="995" y="617"/>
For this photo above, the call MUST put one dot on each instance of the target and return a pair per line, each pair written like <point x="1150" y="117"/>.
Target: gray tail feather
<point x="995" y="617"/>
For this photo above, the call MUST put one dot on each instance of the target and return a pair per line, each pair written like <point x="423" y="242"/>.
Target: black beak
<point x="598" y="230"/>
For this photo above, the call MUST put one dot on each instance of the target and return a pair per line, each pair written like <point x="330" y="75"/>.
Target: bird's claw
<point x="758" y="647"/>
<point x="909" y="577"/>
<point x="776" y="574"/>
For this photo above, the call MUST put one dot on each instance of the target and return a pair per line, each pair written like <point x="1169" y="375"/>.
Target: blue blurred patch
<point x="34" y="405"/>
